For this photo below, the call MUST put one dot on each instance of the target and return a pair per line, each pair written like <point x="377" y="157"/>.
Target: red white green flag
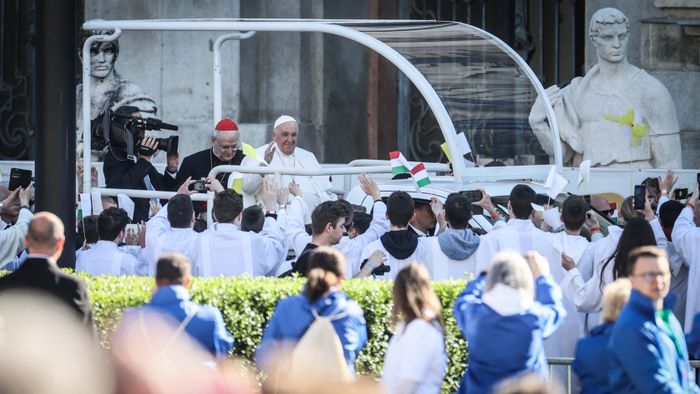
<point x="399" y="164"/>
<point x="420" y="175"/>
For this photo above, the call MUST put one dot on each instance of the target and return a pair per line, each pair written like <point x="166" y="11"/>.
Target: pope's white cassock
<point x="686" y="240"/>
<point x="224" y="250"/>
<point x="314" y="190"/>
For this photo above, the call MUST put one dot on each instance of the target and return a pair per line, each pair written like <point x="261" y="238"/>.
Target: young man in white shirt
<point x="518" y="234"/>
<point x="105" y="258"/>
<point x="397" y="247"/>
<point x="351" y="244"/>
<point x="170" y="230"/>
<point x="686" y="240"/>
<point x="225" y="250"/>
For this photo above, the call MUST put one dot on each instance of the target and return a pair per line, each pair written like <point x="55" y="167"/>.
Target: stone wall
<point x="664" y="42"/>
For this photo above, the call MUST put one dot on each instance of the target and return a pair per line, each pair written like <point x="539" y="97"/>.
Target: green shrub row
<point x="248" y="303"/>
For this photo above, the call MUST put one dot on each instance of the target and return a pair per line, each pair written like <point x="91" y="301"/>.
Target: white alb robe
<point x="161" y="238"/>
<point x="686" y="240"/>
<point x="224" y="250"/>
<point x="395" y="264"/>
<point x="518" y="234"/>
<point x="105" y="258"/>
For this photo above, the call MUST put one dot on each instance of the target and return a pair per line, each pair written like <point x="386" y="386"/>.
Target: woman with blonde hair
<point x="415" y="360"/>
<point x="590" y="363"/>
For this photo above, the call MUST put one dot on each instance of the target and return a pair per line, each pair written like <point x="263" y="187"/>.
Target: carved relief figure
<point x="617" y="115"/>
<point x="108" y="90"/>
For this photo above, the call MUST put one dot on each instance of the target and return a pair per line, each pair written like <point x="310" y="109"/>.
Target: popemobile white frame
<point x="245" y="28"/>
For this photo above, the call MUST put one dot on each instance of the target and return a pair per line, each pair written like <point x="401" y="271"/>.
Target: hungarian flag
<point x="399" y="164"/>
<point x="420" y="175"/>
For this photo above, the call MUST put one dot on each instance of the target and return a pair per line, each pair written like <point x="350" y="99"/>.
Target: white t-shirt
<point x="416" y="352"/>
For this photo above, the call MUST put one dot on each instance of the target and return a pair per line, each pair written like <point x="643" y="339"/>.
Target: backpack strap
<point x="178" y="331"/>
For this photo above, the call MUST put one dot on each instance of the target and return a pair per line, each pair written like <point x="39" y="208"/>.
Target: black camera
<point x="381" y="270"/>
<point x="123" y="133"/>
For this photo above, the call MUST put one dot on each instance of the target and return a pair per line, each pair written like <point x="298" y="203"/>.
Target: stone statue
<point x="108" y="90"/>
<point x="617" y="115"/>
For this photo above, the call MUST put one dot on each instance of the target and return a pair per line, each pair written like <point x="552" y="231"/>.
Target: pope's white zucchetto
<point x="283" y="119"/>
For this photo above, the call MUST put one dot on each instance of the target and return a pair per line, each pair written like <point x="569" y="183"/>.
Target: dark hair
<point x="87" y="229"/>
<point x="349" y="212"/>
<point x="646" y="251"/>
<point x="521" y="199"/>
<point x="326" y="268"/>
<point x="227" y="206"/>
<point x="180" y="211"/>
<point x="637" y="233"/>
<point x="361" y="222"/>
<point x="652" y="185"/>
<point x="400" y="208"/>
<point x="173" y="268"/>
<point x="253" y="219"/>
<point x="127" y="110"/>
<point x="669" y="212"/>
<point x="573" y="213"/>
<point x="458" y="210"/>
<point x="327" y="212"/>
<point x="111" y="222"/>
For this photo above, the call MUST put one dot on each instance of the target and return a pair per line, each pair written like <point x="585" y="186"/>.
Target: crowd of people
<point x="618" y="302"/>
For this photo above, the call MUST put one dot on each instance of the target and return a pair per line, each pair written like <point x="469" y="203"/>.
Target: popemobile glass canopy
<point x="471" y="81"/>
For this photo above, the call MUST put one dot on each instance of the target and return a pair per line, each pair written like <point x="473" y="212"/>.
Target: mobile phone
<point x="587" y="197"/>
<point x="680" y="194"/>
<point x="19" y="178"/>
<point x="640" y="192"/>
<point x="698" y="178"/>
<point x="473" y="195"/>
<point x="199" y="186"/>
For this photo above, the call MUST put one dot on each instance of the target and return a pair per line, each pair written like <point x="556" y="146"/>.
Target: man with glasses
<point x="648" y="352"/>
<point x="225" y="150"/>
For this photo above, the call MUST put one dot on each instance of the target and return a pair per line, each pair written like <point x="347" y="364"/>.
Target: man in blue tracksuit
<point x="648" y="353"/>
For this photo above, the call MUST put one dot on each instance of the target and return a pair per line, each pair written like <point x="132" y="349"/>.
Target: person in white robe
<point x="282" y="152"/>
<point x="686" y="240"/>
<point x="105" y="257"/>
<point x="225" y="250"/>
<point x="351" y="246"/>
<point x="170" y="230"/>
<point x="519" y="234"/>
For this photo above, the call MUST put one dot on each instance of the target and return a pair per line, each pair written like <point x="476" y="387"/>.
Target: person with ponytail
<point x="415" y="361"/>
<point x="321" y="297"/>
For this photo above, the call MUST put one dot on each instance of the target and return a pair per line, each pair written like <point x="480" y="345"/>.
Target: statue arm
<point x="664" y="131"/>
<point x="566" y="118"/>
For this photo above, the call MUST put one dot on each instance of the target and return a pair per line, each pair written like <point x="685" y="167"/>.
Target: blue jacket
<point x="504" y="346"/>
<point x="293" y="316"/>
<point x="643" y="357"/>
<point x="591" y="360"/>
<point x="206" y="327"/>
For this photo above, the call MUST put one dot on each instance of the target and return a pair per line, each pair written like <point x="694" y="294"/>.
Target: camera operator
<point x="137" y="172"/>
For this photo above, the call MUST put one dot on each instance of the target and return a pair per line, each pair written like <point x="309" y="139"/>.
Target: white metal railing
<point x="217" y="67"/>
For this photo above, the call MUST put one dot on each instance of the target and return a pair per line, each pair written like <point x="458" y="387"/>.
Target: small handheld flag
<point x="420" y="175"/>
<point x="399" y="164"/>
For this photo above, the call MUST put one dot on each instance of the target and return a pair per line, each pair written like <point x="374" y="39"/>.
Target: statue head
<point x="103" y="55"/>
<point x="608" y="31"/>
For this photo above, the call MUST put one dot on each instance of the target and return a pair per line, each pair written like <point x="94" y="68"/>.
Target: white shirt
<point x="442" y="267"/>
<point x="391" y="261"/>
<point x="224" y="250"/>
<point x="518" y="234"/>
<point x="161" y="238"/>
<point x="12" y="239"/>
<point x="686" y="241"/>
<point x="351" y="247"/>
<point x="314" y="190"/>
<point x="416" y="353"/>
<point x="105" y="258"/>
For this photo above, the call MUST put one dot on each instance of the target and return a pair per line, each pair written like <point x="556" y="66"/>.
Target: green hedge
<point x="247" y="304"/>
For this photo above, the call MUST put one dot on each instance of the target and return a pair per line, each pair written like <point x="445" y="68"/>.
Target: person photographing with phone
<point x="15" y="204"/>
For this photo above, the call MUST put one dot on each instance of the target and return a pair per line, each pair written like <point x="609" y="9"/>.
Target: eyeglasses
<point x="606" y="212"/>
<point x="651" y="276"/>
<point x="226" y="147"/>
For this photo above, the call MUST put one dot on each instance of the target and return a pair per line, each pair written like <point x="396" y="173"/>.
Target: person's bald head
<point x="45" y="235"/>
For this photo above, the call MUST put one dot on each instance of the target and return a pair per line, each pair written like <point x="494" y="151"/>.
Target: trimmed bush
<point x="248" y="303"/>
